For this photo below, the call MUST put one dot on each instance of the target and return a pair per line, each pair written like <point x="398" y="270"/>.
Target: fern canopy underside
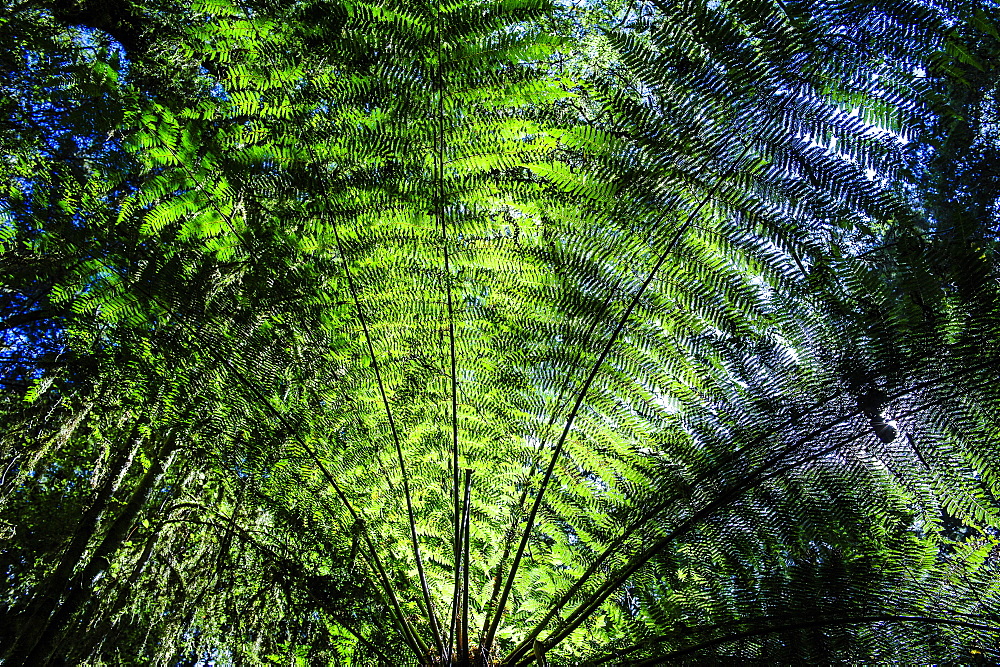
<point x="497" y="333"/>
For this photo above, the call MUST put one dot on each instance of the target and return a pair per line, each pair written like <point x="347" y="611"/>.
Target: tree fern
<point x="376" y="333"/>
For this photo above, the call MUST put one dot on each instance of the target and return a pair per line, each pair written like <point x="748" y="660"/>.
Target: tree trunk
<point x="45" y="601"/>
<point x="35" y="650"/>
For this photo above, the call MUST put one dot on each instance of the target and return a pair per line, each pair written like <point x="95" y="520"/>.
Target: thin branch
<point x="352" y="288"/>
<point x="631" y="530"/>
<point x="558" y="403"/>
<point x="259" y="398"/>
<point x="557" y="451"/>
<point x="762" y="473"/>
<point x="417" y="644"/>
<point x="375" y="368"/>
<point x="463" y="635"/>
<point x="440" y="213"/>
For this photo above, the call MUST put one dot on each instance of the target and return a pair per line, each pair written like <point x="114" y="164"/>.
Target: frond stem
<point x="515" y="514"/>
<point x="463" y="637"/>
<point x="762" y="473"/>
<point x="557" y="451"/>
<point x="393" y="431"/>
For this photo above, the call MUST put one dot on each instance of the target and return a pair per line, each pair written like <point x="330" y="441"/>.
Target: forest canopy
<point x="591" y="332"/>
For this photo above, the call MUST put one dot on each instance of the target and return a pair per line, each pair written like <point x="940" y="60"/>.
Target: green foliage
<point x="700" y="293"/>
